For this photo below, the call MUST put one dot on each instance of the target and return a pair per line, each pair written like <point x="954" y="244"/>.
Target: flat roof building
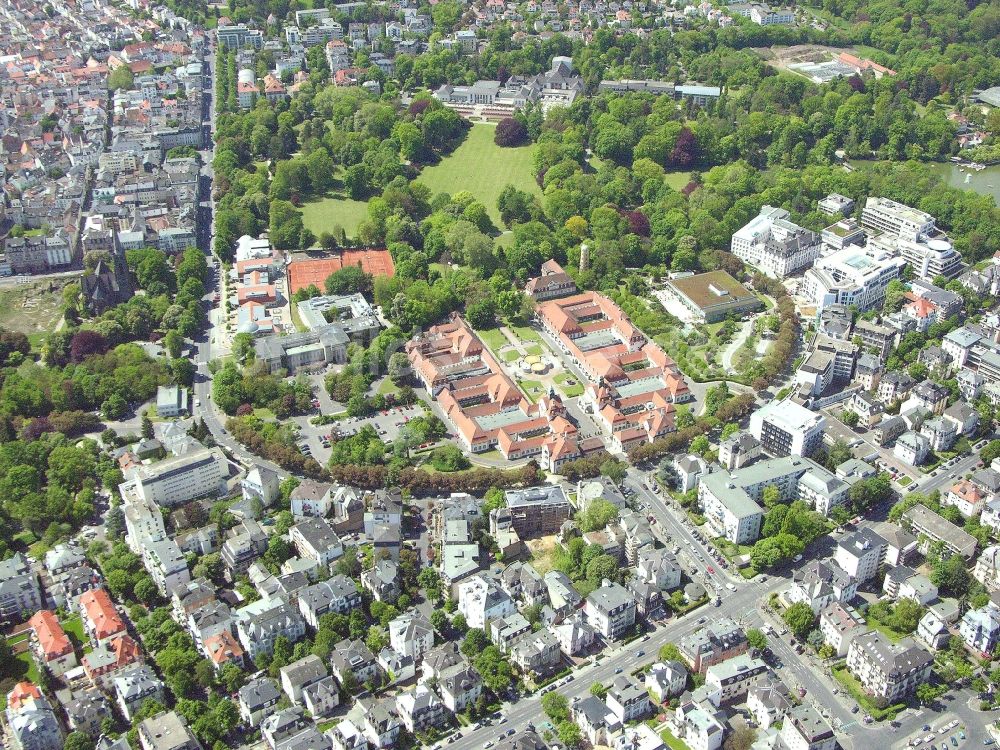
<point x="714" y="296"/>
<point x="785" y="428"/>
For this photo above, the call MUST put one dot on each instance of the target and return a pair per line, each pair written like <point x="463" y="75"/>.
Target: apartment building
<point x="733" y="677"/>
<point x="784" y="428"/>
<point x="481" y="600"/>
<point x="20" y="594"/>
<point x="980" y="628"/>
<point x="610" y="610"/>
<point x="861" y="553"/>
<point x="886" y="670"/>
<point x="716" y="642"/>
<point x="174" y="481"/>
<point x="804" y="729"/>
<point x="774" y="245"/>
<point x="537" y="511"/>
<point x="839" y="627"/>
<point x="930" y="526"/>
<point x="852" y="276"/>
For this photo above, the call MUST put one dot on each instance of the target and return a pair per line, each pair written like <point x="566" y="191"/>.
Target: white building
<point x="784" y="428"/>
<point x="911" y="448"/>
<point x="664" y="680"/>
<point x="175" y="481"/>
<point x="610" y="609"/>
<point x="852" y="276"/>
<point x="804" y="729"/>
<point x="861" y="553"/>
<point x="775" y="245"/>
<point x="481" y="600"/>
<point x="887" y="670"/>
<point x="980" y="628"/>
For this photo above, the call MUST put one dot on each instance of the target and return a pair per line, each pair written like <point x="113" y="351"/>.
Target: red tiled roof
<point x="101" y="613"/>
<point x="373" y="260"/>
<point x="51" y="637"/>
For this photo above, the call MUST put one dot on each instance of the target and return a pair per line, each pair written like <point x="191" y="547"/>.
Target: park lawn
<point x="324" y="214"/>
<point x="527" y="334"/>
<point x="262" y="412"/>
<point x="511" y="355"/>
<point x="493" y="338"/>
<point x="677" y="180"/>
<point x="534" y="350"/>
<point x="32" y="309"/>
<point x="904" y="481"/>
<point x="482" y="168"/>
<point x="570" y="391"/>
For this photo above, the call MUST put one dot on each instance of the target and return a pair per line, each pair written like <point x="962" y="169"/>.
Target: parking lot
<point x="315" y="440"/>
<point x="939" y="736"/>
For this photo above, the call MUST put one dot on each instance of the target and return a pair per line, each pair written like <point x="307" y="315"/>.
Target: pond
<point x="985" y="182"/>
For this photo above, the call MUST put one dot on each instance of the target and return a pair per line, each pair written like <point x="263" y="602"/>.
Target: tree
<point x="146" y="427"/>
<point x="741" y="738"/>
<point x="569" y="733"/>
<point x="510" y="132"/>
<point x="439" y="621"/>
<point x="800" y="618"/>
<point x="771" y="496"/>
<point x="121" y="78"/>
<point x="670" y="652"/>
<point x="850" y="418"/>
<point x="756" y="639"/>
<point x="399" y="367"/>
<point x="951" y="576"/>
<point x="556" y="707"/>
<point x="78" y="741"/>
<point x="598" y="690"/>
<point x="475" y="642"/>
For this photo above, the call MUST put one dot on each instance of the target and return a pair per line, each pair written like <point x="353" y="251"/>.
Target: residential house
<point x="610" y="610"/>
<point x="666" y="679"/>
<point x="420" y="709"/>
<point x="411" y="635"/>
<point x="460" y="687"/>
<point x="20" y="595"/>
<point x="101" y="620"/>
<point x="768" y="700"/>
<point x="537" y="652"/>
<point x="716" y="642"/>
<point x="804" y="729"/>
<point x="256" y="699"/>
<point x="628" y="700"/>
<point x="315" y="539"/>
<point x="353" y="659"/>
<point x="574" y="633"/>
<point x="50" y="644"/>
<point x="338" y="594"/>
<point x="839" y="626"/>
<point x="733" y="677"/>
<point x="886" y="670"/>
<point x="259" y="625"/>
<point x="134" y="687"/>
<point x="980" y="628"/>
<point x="481" y="600"/>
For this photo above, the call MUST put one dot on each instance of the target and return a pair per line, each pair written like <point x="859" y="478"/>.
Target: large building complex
<point x="485" y="406"/>
<point x="886" y="670"/>
<point x="714" y="296"/>
<point x="176" y="480"/>
<point x="912" y="234"/>
<point x="852" y="276"/>
<point x="774" y="245"/>
<point x="633" y="383"/>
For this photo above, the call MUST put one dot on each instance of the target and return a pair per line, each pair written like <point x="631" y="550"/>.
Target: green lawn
<point x="570" y="391"/>
<point x="74" y="629"/>
<point x="323" y="214"/>
<point x="532" y="389"/>
<point x="858" y="693"/>
<point x="527" y="334"/>
<point x="511" y="355"/>
<point x="534" y="350"/>
<point x="387" y="387"/>
<point x="672" y="742"/>
<point x="678" y="180"/>
<point x="482" y="168"/>
<point x="493" y="338"/>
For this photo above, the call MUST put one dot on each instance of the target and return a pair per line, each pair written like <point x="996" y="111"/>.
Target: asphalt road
<point x="529" y="709"/>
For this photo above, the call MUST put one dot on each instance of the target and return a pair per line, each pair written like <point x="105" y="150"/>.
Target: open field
<point x="31" y="308"/>
<point x="324" y="214"/>
<point x="493" y="338"/>
<point x="482" y="168"/>
<point x="678" y="180"/>
<point x="543" y="552"/>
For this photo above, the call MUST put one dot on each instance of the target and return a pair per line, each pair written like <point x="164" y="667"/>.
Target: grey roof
<point x="259" y="693"/>
<point x="607" y="598"/>
<point x="305" y="671"/>
<point x="809" y="723"/>
<point x="924" y="518"/>
<point x="895" y="659"/>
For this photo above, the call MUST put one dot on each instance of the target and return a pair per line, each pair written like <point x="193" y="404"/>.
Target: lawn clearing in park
<point x="534" y="350"/>
<point x="323" y="214"/>
<point x="532" y="389"/>
<point x="511" y="355"/>
<point x="31" y="308"/>
<point x="482" y="168"/>
<point x="677" y="180"/>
